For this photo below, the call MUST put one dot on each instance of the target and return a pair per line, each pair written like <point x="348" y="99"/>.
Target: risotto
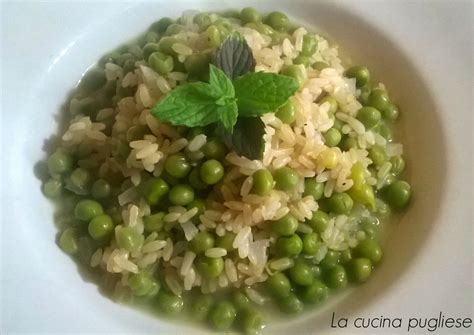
<point x="220" y="163"/>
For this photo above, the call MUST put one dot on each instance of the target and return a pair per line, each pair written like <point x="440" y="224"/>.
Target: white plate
<point x="421" y="51"/>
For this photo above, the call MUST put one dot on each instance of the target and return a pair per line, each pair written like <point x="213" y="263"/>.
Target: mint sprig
<point x="200" y="104"/>
<point x="229" y="103"/>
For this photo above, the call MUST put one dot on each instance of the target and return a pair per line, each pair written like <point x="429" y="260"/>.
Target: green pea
<point x="135" y="133"/>
<point x="369" y="222"/>
<point x="52" y="188"/>
<point x="197" y="65"/>
<point x="360" y="269"/>
<point x="210" y="267"/>
<point x="86" y="248"/>
<point x="249" y="14"/>
<point x="333" y="105"/>
<point x="369" y="116"/>
<point x="385" y="131"/>
<point x="153" y="190"/>
<point x="211" y="172"/>
<point x="316" y="271"/>
<point x="340" y="203"/>
<point x="358" y="174"/>
<point x="226" y="241"/>
<point x="177" y="166"/>
<point x="79" y="181"/>
<point x="361" y="75"/>
<point x="391" y="113"/>
<point x="59" y="163"/>
<point x="262" y="28"/>
<point x="301" y="274"/>
<point x="346" y="256"/>
<point x="181" y="195"/>
<point x="142" y="284"/>
<point x="287" y="113"/>
<point x="297" y="72"/>
<point x="213" y="36"/>
<point x="101" y="227"/>
<point x="311" y="244"/>
<point x="86" y="210"/>
<point x="289" y="245"/>
<point x="313" y="188"/>
<point x="93" y="80"/>
<point x="201" y="242"/>
<point x="278" y="285"/>
<point x="320" y="66"/>
<point x="241" y="301"/>
<point x="377" y="155"/>
<point x="310" y="45"/>
<point x="200" y="204"/>
<point x="174" y="29"/>
<point x="150" y="37"/>
<point x="262" y="182"/>
<point x="170" y="180"/>
<point x="315" y="293"/>
<point x="195" y="180"/>
<point x="110" y="57"/>
<point x="252" y="322"/>
<point x="214" y="149"/>
<point x="291" y="304"/>
<point x="225" y="23"/>
<point x="285" y="226"/>
<point x="68" y="241"/>
<point x="203" y="20"/>
<point x="150" y="48"/>
<point x="331" y="259"/>
<point x="165" y="45"/>
<point x="379" y="99"/>
<point x="101" y="189"/>
<point x="201" y="306"/>
<point x="398" y="165"/>
<point x="278" y="21"/>
<point x="129" y="239"/>
<point x="382" y="209"/>
<point x="129" y="66"/>
<point x="363" y="194"/>
<point x="364" y="94"/>
<point x="332" y="137"/>
<point x="222" y="315"/>
<point x="348" y="143"/>
<point x="161" y="25"/>
<point x="369" y="249"/>
<point x="154" y="222"/>
<point x="319" y="221"/>
<point x="335" y="277"/>
<point x="397" y="194"/>
<point x="161" y="63"/>
<point x="304" y="60"/>
<point x="286" y="179"/>
<point x="169" y="303"/>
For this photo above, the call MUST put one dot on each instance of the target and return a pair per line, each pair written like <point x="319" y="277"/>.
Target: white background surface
<point x="46" y="47"/>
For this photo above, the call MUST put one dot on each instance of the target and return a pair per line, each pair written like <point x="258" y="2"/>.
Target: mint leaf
<point x="200" y="104"/>
<point x="219" y="80"/>
<point x="222" y="84"/>
<point x="247" y="137"/>
<point x="260" y="92"/>
<point x="234" y="57"/>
